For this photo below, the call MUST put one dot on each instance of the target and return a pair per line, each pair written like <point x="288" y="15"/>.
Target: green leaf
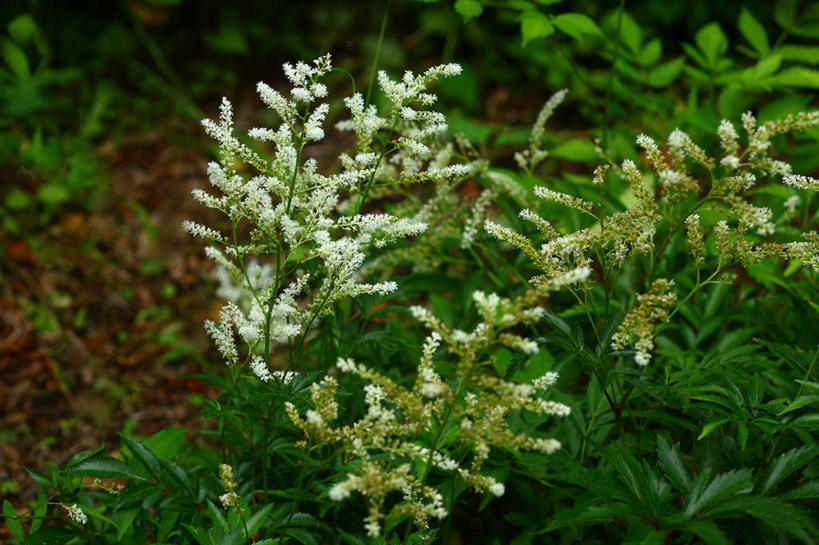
<point x="576" y="25"/>
<point x="806" y="491"/>
<point x="166" y="442"/>
<point x="802" y="53"/>
<point x="518" y="359"/>
<point x="799" y="360"/>
<point x="754" y="32"/>
<point x="23" y="29"/>
<point x="588" y="514"/>
<point x="575" y="149"/>
<point x="672" y="465"/>
<point x="303" y="536"/>
<point x="53" y="193"/>
<point x="39" y="511"/>
<point x="712" y="425"/>
<point x="784" y="465"/>
<point x="51" y="536"/>
<point x="665" y="73"/>
<point x="218" y="518"/>
<point x="145" y="456"/>
<point x="712" y="42"/>
<point x="630" y="32"/>
<point x="534" y="25"/>
<point x="785" y="13"/>
<point x="798" y="76"/>
<point x="199" y="534"/>
<point x="799" y="402"/>
<point x="721" y="487"/>
<point x="767" y="66"/>
<point x="468" y="9"/>
<point x="107" y="467"/>
<point x="706" y="530"/>
<point x="17" y="200"/>
<point x="15" y="58"/>
<point x="12" y="522"/>
<point x="652" y="52"/>
<point x="808" y="23"/>
<point x="258" y="519"/>
<point x="125" y="519"/>
<point x="771" y="511"/>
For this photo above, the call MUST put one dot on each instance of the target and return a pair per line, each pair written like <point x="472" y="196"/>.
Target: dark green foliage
<point x="713" y="442"/>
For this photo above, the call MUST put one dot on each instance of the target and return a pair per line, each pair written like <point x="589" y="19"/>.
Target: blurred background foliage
<point x="100" y="140"/>
<point x="78" y="78"/>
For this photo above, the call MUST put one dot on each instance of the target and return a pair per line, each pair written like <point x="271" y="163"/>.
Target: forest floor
<point x="100" y="314"/>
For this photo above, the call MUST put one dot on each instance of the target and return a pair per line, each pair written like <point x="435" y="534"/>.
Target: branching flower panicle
<point x="399" y="422"/>
<point x="650" y="311"/>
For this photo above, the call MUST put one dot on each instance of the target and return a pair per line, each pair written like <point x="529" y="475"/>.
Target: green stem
<point x="377" y="164"/>
<point x="377" y="53"/>
<point x="610" y="82"/>
<point x="808" y="374"/>
<point x="693" y="291"/>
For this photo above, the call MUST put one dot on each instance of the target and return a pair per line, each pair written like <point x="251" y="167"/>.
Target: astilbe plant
<point x="305" y="242"/>
<point x="310" y="224"/>
<point x="437" y="424"/>
<point x="688" y="183"/>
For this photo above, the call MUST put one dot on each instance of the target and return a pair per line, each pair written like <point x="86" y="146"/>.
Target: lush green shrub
<point x="412" y="334"/>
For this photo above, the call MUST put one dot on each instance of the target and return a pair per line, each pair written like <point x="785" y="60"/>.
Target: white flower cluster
<point x="391" y="441"/>
<point x="310" y="248"/>
<point x="530" y="158"/>
<point x="76" y="513"/>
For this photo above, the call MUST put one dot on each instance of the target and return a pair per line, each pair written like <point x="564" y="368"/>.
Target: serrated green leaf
<point x="218" y="518"/>
<point x="770" y="511"/>
<point x="721" y="487"/>
<point x="586" y="514"/>
<point x="798" y="403"/>
<point x="199" y="534"/>
<point x="753" y="31"/>
<point x="784" y="465"/>
<point x="672" y="465"/>
<point x="806" y="491"/>
<point x="534" y="25"/>
<point x="711" y="426"/>
<point x="255" y="522"/>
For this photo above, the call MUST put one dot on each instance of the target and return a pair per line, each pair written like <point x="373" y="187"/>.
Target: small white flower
<point x="76" y="514"/>
<point x="730" y="162"/>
